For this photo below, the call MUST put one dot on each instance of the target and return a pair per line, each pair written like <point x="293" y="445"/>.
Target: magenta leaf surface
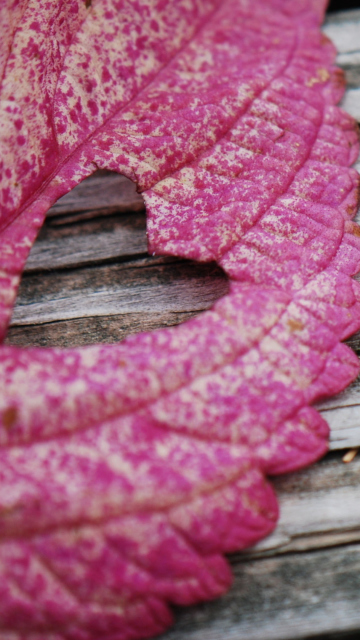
<point x="126" y="471"/>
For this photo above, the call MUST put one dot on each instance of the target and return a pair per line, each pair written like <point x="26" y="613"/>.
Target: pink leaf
<point x="128" y="470"/>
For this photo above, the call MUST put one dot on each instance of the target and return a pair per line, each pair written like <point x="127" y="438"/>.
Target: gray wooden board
<point x="88" y="279"/>
<point x="288" y="597"/>
<point x="114" y="289"/>
<point x="103" y="193"/>
<point x="344" y="30"/>
<point x="88" y="242"/>
<point x="319" y="507"/>
<point x="83" y="331"/>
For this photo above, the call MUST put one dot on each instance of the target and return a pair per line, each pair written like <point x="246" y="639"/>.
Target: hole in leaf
<point x="89" y="277"/>
<point x="342" y="5"/>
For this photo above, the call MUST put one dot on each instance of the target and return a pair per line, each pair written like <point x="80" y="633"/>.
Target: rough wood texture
<point x="82" y="331"/>
<point x="103" y="193"/>
<point x="142" y="286"/>
<point x="88" y="279"/>
<point x="288" y="597"/>
<point x="318" y="506"/>
<point x="88" y="242"/>
<point x="344" y="31"/>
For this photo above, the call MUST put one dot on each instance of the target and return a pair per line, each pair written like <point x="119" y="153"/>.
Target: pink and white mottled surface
<point x="126" y="471"/>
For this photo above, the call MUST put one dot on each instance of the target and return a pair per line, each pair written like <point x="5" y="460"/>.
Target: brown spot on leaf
<point x="9" y="417"/>
<point x="350" y="209"/>
<point x="355" y="230"/>
<point x="295" y="325"/>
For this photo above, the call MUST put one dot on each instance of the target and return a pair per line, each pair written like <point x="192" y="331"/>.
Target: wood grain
<point x="319" y="507"/>
<point x="344" y="30"/>
<point x="88" y="242"/>
<point x="290" y="597"/>
<point x="142" y="286"/>
<point x="103" y="193"/>
<point x="100" y="329"/>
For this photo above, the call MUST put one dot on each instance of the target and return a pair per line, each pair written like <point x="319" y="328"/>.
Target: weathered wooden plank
<point x="93" y="242"/>
<point x="289" y="597"/>
<point x="344" y="423"/>
<point x="103" y="193"/>
<point x="118" y="289"/>
<point x="344" y="30"/>
<point x="319" y="506"/>
<point x="350" y="63"/>
<point x="82" y="331"/>
<point x="351" y="102"/>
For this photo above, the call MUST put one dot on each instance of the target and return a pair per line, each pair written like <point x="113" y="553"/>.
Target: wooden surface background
<point x="89" y="279"/>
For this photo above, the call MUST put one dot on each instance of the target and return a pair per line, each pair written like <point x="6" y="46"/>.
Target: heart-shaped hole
<point x="90" y="279"/>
